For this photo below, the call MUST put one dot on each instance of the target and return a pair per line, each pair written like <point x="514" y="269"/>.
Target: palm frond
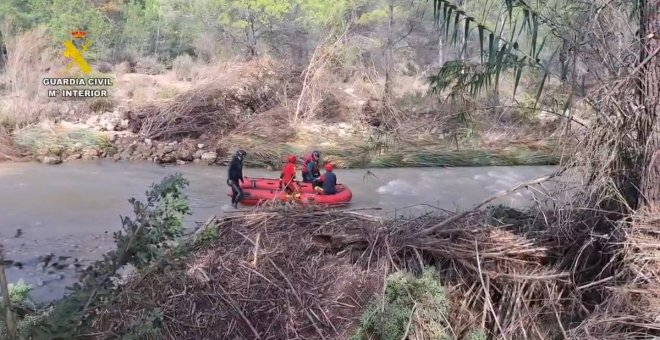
<point x="502" y="53"/>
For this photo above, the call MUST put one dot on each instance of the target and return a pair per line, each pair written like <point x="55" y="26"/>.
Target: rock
<point x="113" y="138"/>
<point x="127" y="151"/>
<point x="90" y="154"/>
<point x="110" y="120"/>
<point x="186" y="153"/>
<point x="209" y="157"/>
<point x="74" y="156"/>
<point x="51" y="160"/>
<point x="200" y="146"/>
<point x="116" y="157"/>
<point x="123" y="125"/>
<point x="198" y="154"/>
<point x="165" y="158"/>
<point x="180" y="162"/>
<point x="92" y="120"/>
<point x="165" y="154"/>
<point x="143" y="151"/>
<point x="147" y="141"/>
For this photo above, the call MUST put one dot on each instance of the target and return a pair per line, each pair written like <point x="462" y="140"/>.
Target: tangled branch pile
<point x="288" y="289"/>
<point x="271" y="275"/>
<point x="214" y="107"/>
<point x="632" y="309"/>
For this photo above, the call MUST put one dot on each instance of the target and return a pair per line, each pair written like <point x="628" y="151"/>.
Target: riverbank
<point x="62" y="142"/>
<point x="255" y="106"/>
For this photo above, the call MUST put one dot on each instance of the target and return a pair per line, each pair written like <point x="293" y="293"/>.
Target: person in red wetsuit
<point x="326" y="184"/>
<point x="310" y="169"/>
<point x="288" y="176"/>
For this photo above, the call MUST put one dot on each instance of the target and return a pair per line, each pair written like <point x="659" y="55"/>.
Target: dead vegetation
<point x="279" y="274"/>
<point x="257" y="281"/>
<point x="633" y="302"/>
<point x="7" y="150"/>
<point x="214" y="107"/>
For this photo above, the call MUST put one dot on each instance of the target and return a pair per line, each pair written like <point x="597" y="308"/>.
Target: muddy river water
<point x="72" y="209"/>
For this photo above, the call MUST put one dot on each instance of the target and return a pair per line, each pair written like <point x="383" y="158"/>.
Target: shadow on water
<point x="71" y="210"/>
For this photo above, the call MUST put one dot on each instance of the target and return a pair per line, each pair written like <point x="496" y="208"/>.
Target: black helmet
<point x="316" y="154"/>
<point x="241" y="153"/>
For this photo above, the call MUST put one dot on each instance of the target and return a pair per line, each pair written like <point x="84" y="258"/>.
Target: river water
<point x="72" y="209"/>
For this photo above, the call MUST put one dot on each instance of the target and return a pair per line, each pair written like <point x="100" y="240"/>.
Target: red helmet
<point x="328" y="167"/>
<point x="292" y="159"/>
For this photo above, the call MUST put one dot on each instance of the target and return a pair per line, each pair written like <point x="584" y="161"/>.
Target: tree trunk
<point x="387" y="92"/>
<point x="441" y="47"/>
<point x="3" y="52"/>
<point x="648" y="125"/>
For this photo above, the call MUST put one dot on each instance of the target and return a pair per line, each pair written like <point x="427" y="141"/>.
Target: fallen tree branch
<point x="297" y="296"/>
<point x="233" y="303"/>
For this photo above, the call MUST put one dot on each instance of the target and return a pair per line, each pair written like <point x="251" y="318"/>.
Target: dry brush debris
<point x="310" y="275"/>
<point x="213" y="107"/>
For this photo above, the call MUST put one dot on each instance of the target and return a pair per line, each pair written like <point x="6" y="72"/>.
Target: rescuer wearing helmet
<point x="310" y="170"/>
<point x="326" y="183"/>
<point x="288" y="176"/>
<point x="235" y="176"/>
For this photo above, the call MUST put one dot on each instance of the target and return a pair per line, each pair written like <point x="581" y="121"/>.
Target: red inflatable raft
<point x="259" y="190"/>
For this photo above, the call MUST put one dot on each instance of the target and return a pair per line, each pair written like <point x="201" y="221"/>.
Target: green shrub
<point x="207" y="236"/>
<point x="147" y="238"/>
<point x="19" y="295"/>
<point x="402" y="293"/>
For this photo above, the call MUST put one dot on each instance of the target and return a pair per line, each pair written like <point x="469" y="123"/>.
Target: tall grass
<point x="48" y="139"/>
<point x="29" y="55"/>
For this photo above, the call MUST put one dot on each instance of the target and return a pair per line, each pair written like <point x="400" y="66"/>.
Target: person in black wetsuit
<point x="327" y="182"/>
<point x="236" y="176"/>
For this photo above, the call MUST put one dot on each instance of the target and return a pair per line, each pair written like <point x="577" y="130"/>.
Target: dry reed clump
<point x="183" y="67"/>
<point x="214" y="107"/>
<point x="264" y="278"/>
<point x="505" y="280"/>
<point x="49" y="138"/>
<point x="271" y="126"/>
<point x="8" y="152"/>
<point x="275" y="275"/>
<point x="632" y="309"/>
<point x="28" y="57"/>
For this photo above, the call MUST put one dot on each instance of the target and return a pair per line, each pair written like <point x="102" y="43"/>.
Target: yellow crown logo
<point x="78" y="34"/>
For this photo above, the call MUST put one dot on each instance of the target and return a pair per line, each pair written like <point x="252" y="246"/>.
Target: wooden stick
<point x="488" y="303"/>
<point x="233" y="303"/>
<point x="256" y="250"/>
<point x="6" y="301"/>
<point x="500" y="194"/>
<point x="410" y="319"/>
<point x="295" y="293"/>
